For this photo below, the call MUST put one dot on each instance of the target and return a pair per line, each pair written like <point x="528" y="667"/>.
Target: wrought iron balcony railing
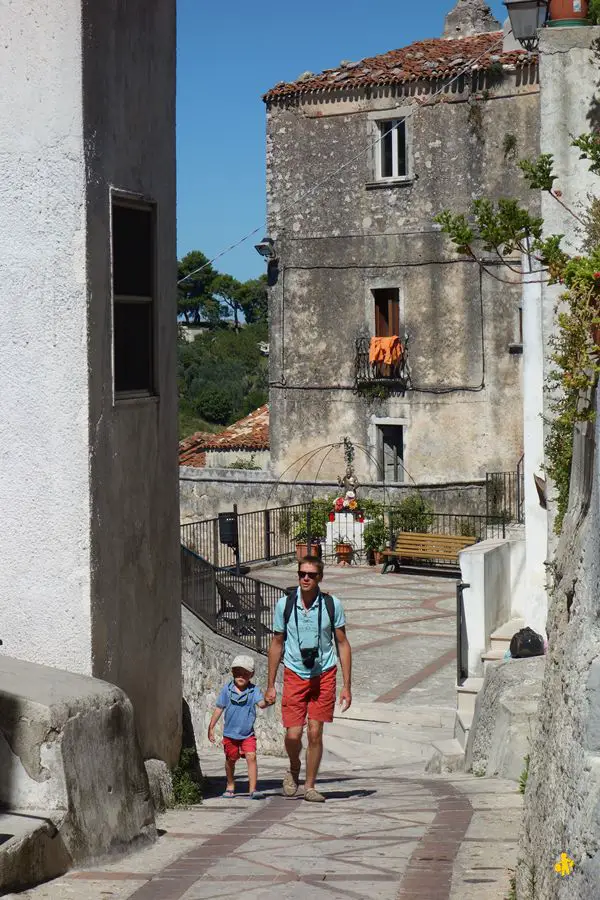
<point x="393" y="375"/>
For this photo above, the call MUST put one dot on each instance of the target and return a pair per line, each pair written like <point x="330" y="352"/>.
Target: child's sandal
<point x="228" y="794"/>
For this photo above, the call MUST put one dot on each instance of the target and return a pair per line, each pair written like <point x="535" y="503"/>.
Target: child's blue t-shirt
<point x="239" y="710"/>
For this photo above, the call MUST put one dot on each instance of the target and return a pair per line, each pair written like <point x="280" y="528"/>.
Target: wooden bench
<point x="413" y="545"/>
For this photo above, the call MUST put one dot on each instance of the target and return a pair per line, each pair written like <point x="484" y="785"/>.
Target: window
<point x="390" y="439"/>
<point x="133" y="257"/>
<point x="392" y="155"/>
<point x="387" y="312"/>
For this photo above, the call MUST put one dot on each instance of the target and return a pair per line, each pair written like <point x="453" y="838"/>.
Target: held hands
<point x="270" y="696"/>
<point x="345" y="700"/>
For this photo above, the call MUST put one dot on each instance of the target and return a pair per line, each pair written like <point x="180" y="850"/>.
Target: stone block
<point x="69" y="754"/>
<point x="505" y="715"/>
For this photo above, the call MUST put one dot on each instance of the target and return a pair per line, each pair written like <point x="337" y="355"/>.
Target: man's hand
<point x="211" y="735"/>
<point x="270" y="696"/>
<point x="345" y="699"/>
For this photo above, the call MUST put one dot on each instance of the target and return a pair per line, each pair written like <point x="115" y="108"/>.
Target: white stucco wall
<point x="44" y="477"/>
<point x="568" y="82"/>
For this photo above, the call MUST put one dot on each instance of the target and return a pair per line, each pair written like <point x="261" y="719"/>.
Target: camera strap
<point x="320" y="621"/>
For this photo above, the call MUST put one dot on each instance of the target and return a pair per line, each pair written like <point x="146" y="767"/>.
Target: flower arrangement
<point x="347" y="503"/>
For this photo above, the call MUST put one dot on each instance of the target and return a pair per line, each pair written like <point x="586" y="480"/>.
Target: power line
<point x="468" y="66"/>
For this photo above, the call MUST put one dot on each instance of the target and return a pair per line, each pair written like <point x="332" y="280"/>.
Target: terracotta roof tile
<point x="424" y="60"/>
<point x="250" y="433"/>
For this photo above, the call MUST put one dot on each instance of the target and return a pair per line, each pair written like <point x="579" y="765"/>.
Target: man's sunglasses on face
<point x="311" y="575"/>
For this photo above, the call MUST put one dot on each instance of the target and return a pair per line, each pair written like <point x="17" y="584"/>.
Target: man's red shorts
<point x="307" y="697"/>
<point x="234" y="748"/>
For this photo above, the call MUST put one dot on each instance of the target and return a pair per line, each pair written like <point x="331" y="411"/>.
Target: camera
<point x="309" y="656"/>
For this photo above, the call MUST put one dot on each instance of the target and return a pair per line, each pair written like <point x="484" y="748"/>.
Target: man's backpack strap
<point x="290" y="599"/>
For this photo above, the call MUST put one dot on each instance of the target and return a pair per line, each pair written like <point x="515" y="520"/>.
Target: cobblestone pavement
<point x="387" y="830"/>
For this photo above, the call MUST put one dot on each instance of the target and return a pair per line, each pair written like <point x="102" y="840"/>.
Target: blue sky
<point x="229" y="54"/>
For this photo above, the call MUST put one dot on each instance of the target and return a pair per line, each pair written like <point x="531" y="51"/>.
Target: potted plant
<point x="344" y="550"/>
<point x="374" y="538"/>
<point x="301" y="539"/>
<point x="318" y="529"/>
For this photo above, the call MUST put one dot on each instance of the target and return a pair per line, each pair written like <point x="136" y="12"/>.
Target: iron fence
<point x="480" y="527"/>
<point x="504" y="493"/>
<point x="236" y="606"/>
<point x="394" y="376"/>
<point x="265" y="534"/>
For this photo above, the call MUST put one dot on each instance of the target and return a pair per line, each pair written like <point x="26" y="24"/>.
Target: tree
<point x="195" y="295"/>
<point x="254" y="299"/>
<point x="228" y="290"/>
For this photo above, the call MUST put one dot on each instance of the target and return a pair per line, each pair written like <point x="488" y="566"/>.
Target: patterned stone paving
<point x="387" y="830"/>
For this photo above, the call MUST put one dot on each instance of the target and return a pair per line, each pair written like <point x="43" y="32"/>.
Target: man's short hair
<point x="314" y="561"/>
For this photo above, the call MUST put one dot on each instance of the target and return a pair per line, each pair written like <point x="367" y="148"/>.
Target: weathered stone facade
<point x="354" y="235"/>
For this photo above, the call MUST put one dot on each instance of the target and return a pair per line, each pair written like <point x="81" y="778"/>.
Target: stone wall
<point x="462" y="416"/>
<point x="206" y="666"/>
<point x="203" y="493"/>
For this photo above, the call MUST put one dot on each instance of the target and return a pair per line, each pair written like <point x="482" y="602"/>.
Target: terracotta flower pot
<point x="568" y="12"/>
<point x="343" y="553"/>
<point x="302" y="550"/>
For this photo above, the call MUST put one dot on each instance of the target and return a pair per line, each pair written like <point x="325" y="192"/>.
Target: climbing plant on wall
<point x="505" y="229"/>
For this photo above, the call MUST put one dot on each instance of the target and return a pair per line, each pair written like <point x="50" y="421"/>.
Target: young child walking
<point x="238" y="700"/>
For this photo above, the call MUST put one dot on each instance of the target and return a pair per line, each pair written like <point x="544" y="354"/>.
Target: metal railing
<point x="462" y="646"/>
<point x="480" y="527"/>
<point x="266" y="534"/>
<point x="236" y="606"/>
<point x="365" y="372"/>
<point x="504" y="494"/>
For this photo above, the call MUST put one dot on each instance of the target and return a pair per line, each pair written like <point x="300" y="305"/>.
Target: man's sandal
<point x="228" y="794"/>
<point x="290" y="784"/>
<point x="313" y="796"/>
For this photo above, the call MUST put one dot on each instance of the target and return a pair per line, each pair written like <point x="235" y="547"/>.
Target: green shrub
<point x="413" y="514"/>
<point x="186" y="790"/>
<point x="524" y="775"/>
<point x="240" y="463"/>
<point x="374" y="534"/>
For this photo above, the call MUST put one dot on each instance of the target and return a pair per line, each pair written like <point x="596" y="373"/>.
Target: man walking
<point x="308" y="626"/>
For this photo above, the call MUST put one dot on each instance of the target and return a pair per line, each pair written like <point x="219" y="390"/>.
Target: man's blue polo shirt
<point x="239" y="710"/>
<point x="308" y="627"/>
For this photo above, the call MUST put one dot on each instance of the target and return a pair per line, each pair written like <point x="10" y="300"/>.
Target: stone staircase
<point x="452" y="751"/>
<point x="383" y="733"/>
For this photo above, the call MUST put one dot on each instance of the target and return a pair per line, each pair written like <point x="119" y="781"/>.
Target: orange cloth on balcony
<point x="386" y="350"/>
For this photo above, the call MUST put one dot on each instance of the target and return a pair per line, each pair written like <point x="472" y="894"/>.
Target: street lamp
<point x="266" y="248"/>
<point x="526" y="18"/>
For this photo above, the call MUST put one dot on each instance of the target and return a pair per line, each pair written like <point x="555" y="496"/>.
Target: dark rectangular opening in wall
<point x="391" y="452"/>
<point x="133" y="261"/>
<point x="392" y="163"/>
<point x="387" y="312"/>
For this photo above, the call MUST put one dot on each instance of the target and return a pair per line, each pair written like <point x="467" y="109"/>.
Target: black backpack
<point x="525" y="643"/>
<point x="290" y="599"/>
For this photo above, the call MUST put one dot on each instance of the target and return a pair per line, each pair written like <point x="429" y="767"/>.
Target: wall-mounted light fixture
<point x="526" y="18"/>
<point x="266" y="248"/>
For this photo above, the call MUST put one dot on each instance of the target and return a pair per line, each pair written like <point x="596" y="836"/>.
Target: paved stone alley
<point x="388" y="830"/>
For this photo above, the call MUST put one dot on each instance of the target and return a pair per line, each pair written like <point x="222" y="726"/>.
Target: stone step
<point x="31" y="851"/>
<point x="395" y="739"/>
<point x="462" y="726"/>
<point x="448" y="757"/>
<point x="466" y="695"/>
<point x="492" y="657"/>
<point x="429" y="716"/>
<point x="374" y="754"/>
<point x="500" y="638"/>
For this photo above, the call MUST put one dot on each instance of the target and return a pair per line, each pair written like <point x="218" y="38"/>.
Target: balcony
<point x="391" y="376"/>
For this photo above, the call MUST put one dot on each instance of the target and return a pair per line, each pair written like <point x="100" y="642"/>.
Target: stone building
<point x="360" y="158"/>
<point x="89" y="557"/>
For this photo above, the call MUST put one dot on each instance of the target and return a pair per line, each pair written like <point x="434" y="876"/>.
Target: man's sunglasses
<point x="307" y="574"/>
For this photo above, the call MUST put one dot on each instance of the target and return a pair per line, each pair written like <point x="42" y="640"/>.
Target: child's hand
<point x="211" y="735"/>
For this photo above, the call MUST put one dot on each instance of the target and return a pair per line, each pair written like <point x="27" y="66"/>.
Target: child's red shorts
<point x="307" y="697"/>
<point x="235" y="749"/>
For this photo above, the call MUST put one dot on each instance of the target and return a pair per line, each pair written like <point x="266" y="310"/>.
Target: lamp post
<point x="526" y="18"/>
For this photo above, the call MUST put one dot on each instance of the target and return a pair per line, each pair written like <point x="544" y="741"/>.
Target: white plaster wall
<point x="44" y="496"/>
<point x="530" y="600"/>
<point x="568" y="82"/>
